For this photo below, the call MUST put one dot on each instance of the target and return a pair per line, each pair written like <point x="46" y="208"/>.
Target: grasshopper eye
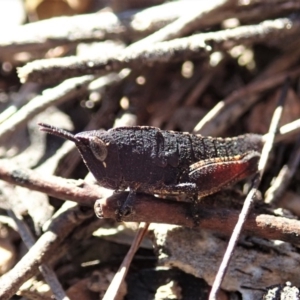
<point x="98" y="148"/>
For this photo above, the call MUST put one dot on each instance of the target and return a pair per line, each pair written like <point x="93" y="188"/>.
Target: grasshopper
<point x="147" y="159"/>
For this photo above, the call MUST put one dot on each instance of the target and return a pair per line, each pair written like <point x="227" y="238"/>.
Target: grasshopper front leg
<point x="126" y="208"/>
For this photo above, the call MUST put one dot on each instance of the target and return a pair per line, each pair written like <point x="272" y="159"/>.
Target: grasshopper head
<point x="97" y="152"/>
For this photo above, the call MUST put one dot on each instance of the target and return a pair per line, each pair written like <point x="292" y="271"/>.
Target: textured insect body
<point x="147" y="159"/>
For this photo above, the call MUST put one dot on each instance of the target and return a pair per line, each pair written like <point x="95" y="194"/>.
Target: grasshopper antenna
<point x="58" y="132"/>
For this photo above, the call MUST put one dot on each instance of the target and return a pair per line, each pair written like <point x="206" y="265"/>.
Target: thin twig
<point x="284" y="177"/>
<point x="20" y="99"/>
<point x="167" y="109"/>
<point x="198" y="90"/>
<point x="186" y="24"/>
<point x="112" y="291"/>
<point x="287" y="130"/>
<point x="54" y="96"/>
<point x="226" y="112"/>
<point x="250" y="197"/>
<point x="29" y="241"/>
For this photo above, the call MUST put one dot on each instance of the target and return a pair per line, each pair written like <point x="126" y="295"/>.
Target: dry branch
<point x="42" y="250"/>
<point x="195" y="46"/>
<point x="29" y="240"/>
<point x="226" y="112"/>
<point x="55" y="96"/>
<point x="154" y="210"/>
<point x="100" y="26"/>
<point x="148" y="208"/>
<point x="130" y="25"/>
<point x="66" y="189"/>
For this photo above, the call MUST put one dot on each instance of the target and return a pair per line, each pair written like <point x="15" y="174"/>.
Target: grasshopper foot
<point x="126" y="208"/>
<point x="195" y="210"/>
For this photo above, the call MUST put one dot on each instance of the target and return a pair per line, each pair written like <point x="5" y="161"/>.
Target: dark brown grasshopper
<point x="147" y="159"/>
